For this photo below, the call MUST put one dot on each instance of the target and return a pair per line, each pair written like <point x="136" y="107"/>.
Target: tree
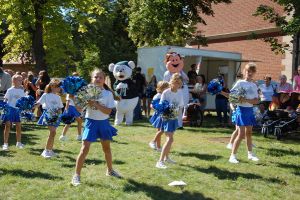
<point x="289" y="25"/>
<point x="3" y="33"/>
<point x="104" y="41"/>
<point x="166" y="22"/>
<point x="40" y="27"/>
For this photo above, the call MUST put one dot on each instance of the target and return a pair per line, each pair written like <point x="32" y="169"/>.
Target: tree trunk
<point x="37" y="37"/>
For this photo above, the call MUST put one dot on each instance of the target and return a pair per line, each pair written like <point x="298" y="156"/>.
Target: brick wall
<point x="19" y="67"/>
<point x="253" y="50"/>
<point x="236" y="17"/>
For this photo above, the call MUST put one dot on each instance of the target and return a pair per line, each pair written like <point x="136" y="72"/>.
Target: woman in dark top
<point x="41" y="84"/>
<point x="29" y="86"/>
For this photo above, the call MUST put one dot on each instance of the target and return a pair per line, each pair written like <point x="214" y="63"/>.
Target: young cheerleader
<point x="156" y="119"/>
<point x="244" y="113"/>
<point x="97" y="127"/>
<point x="50" y="101"/>
<point x="13" y="116"/>
<point x="172" y="96"/>
<point x="71" y="109"/>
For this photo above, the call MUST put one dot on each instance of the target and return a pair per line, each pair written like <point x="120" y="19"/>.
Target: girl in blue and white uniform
<point x="156" y="119"/>
<point x="245" y="119"/>
<point x="50" y="102"/>
<point x="13" y="116"/>
<point x="97" y="127"/>
<point x="173" y="96"/>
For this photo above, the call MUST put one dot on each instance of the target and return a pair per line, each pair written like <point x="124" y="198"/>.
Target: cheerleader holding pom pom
<point x="52" y="105"/>
<point x="156" y="119"/>
<point x="244" y="117"/>
<point x="173" y="100"/>
<point x="12" y="113"/>
<point x="97" y="127"/>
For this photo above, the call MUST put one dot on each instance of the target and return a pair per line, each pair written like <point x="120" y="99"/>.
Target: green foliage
<point x="289" y="25"/>
<point x="166" y="22"/>
<point x="21" y="16"/>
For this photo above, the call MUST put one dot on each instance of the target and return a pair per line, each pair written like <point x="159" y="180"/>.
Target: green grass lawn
<point x="200" y="153"/>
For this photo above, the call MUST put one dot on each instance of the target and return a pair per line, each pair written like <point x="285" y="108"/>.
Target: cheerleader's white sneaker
<point x="152" y="145"/>
<point x="79" y="137"/>
<point x="169" y="160"/>
<point x="229" y="146"/>
<point x="46" y="154"/>
<point x="19" y="145"/>
<point x="161" y="165"/>
<point x="75" y="180"/>
<point x="253" y="157"/>
<point x="233" y="160"/>
<point x="63" y="138"/>
<point x="113" y="173"/>
<point x="5" y="147"/>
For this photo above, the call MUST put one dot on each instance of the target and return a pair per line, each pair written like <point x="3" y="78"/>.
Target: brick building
<point x="230" y="28"/>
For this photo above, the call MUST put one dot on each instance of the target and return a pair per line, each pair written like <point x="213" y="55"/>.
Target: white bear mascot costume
<point x="125" y="89"/>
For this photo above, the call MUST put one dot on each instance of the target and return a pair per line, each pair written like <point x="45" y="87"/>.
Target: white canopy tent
<point x="151" y="60"/>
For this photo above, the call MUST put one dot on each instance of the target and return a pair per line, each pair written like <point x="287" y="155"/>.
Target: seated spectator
<point x="283" y="85"/>
<point x="266" y="91"/>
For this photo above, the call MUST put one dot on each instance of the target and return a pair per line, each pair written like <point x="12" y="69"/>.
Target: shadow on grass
<point x="119" y="142"/>
<point x="27" y="139"/>
<point x="39" y="151"/>
<point x="6" y="154"/>
<point x="72" y="162"/>
<point x="200" y="156"/>
<point x="29" y="174"/>
<point x="157" y="193"/>
<point x="223" y="174"/>
<point x="296" y="168"/>
<point x="281" y="152"/>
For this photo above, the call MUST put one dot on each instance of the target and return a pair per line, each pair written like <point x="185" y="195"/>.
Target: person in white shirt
<point x="172" y="96"/>
<point x="266" y="91"/>
<point x="97" y="127"/>
<point x="52" y="105"/>
<point x="244" y="117"/>
<point x="13" y="116"/>
<point x="5" y="81"/>
<point x="156" y="120"/>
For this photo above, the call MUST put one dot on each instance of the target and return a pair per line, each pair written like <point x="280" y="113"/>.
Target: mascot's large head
<point x="122" y="70"/>
<point x="174" y="62"/>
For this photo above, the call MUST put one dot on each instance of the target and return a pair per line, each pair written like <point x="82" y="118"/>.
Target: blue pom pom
<point x="25" y="103"/>
<point x="67" y="118"/>
<point x="155" y="103"/>
<point x="215" y="86"/>
<point x="72" y="84"/>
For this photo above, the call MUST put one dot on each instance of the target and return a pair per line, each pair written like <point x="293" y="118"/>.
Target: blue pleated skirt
<point x="245" y="116"/>
<point x="169" y="125"/>
<point x="42" y="121"/>
<point x="73" y="111"/>
<point x="98" y="129"/>
<point x="233" y="117"/>
<point x="156" y="120"/>
<point x="12" y="115"/>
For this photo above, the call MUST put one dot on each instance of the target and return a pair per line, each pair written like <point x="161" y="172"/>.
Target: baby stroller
<point x="272" y="119"/>
<point x="194" y="115"/>
<point x="285" y="127"/>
